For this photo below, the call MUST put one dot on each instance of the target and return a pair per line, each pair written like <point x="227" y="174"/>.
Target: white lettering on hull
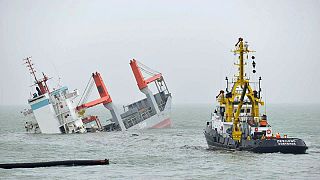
<point x="283" y="142"/>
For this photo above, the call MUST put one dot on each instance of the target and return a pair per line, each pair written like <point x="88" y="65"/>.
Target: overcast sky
<point x="188" y="41"/>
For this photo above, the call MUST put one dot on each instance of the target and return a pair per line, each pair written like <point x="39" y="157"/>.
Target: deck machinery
<point x="237" y="122"/>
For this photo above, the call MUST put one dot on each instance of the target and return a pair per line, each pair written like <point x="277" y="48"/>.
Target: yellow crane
<point x="231" y="98"/>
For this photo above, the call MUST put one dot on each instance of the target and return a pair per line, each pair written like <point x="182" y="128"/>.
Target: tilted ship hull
<point x="151" y="112"/>
<point x="154" y="111"/>
<point x="159" y="120"/>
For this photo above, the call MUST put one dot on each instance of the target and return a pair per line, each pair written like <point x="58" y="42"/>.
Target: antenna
<point x="227" y="84"/>
<point x="29" y="65"/>
<point x="57" y="72"/>
<point x="42" y="87"/>
<point x="265" y="102"/>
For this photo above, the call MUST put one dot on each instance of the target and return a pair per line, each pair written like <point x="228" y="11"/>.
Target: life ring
<point x="268" y="131"/>
<point x="256" y="129"/>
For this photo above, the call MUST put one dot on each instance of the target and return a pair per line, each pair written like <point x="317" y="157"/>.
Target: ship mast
<point x="241" y="65"/>
<point x="236" y="96"/>
<point x="41" y="83"/>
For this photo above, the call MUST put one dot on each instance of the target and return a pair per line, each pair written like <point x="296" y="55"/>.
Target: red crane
<point x="141" y="81"/>
<point x="104" y="99"/>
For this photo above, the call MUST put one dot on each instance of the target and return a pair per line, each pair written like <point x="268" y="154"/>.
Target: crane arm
<point x="141" y="81"/>
<point x="93" y="103"/>
<point x="241" y="102"/>
<point x="105" y="98"/>
<point x="236" y="131"/>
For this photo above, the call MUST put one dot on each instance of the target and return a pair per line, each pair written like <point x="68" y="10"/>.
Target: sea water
<point x="180" y="152"/>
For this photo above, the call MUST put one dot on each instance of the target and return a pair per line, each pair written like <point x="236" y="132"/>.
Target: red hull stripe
<point x="163" y="124"/>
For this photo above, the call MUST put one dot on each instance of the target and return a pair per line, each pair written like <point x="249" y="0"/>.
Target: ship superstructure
<point x="51" y="111"/>
<point x="237" y="122"/>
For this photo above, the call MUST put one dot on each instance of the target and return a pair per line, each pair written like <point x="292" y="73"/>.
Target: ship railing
<point x="241" y="118"/>
<point x="131" y="121"/>
<point x="109" y="121"/>
<point x="36" y="98"/>
<point x="245" y="118"/>
<point x="27" y="112"/>
<point x="134" y="119"/>
<point x="62" y="112"/>
<point x="146" y="113"/>
<point x="138" y="103"/>
<point x="162" y="105"/>
<point x="246" y="102"/>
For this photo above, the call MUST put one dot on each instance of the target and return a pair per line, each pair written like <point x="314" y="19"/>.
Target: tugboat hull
<point x="287" y="146"/>
<point x="282" y="145"/>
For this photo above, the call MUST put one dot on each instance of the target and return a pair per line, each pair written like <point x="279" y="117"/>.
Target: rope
<point x="147" y="69"/>
<point x="86" y="92"/>
<point x="147" y="72"/>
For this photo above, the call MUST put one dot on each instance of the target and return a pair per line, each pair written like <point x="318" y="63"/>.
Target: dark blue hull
<point x="282" y="145"/>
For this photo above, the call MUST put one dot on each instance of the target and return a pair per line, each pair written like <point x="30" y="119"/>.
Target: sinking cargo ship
<point x="55" y="111"/>
<point x="237" y="124"/>
<point x="51" y="111"/>
<point x="152" y="112"/>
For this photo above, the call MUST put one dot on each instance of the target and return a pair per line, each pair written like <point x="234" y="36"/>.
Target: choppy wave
<point x="180" y="152"/>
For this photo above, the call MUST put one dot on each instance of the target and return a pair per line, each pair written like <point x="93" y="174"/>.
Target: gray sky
<point x="188" y="41"/>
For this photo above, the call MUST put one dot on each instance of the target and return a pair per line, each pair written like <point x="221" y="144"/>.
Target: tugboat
<point x="237" y="124"/>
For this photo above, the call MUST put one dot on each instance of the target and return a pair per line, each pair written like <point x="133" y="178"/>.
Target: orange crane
<point x="104" y="99"/>
<point x="143" y="83"/>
